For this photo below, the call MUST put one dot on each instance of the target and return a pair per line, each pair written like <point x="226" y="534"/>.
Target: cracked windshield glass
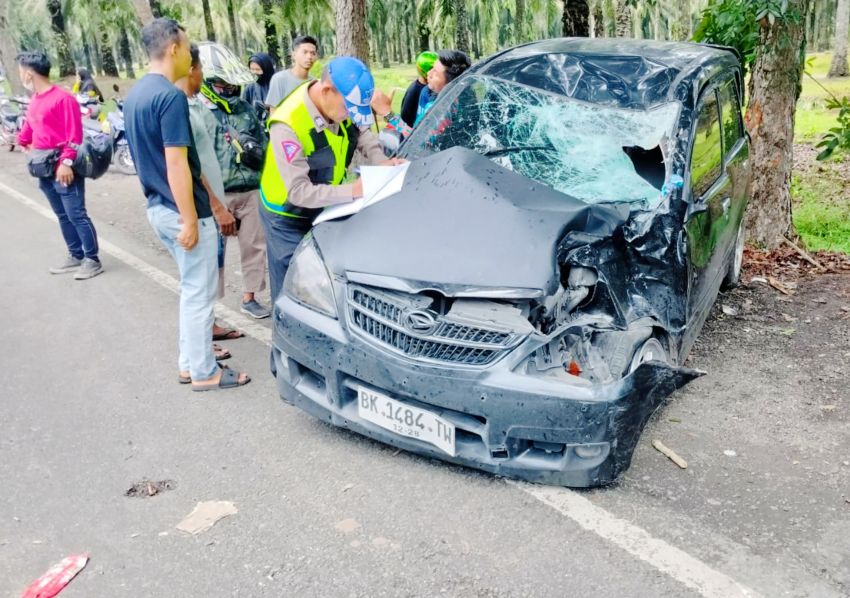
<point x="595" y="153"/>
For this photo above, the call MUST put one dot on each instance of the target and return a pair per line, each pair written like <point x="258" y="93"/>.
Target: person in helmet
<point x="313" y="134"/>
<point x="450" y="65"/>
<point x="240" y="142"/>
<point x="410" y="102"/>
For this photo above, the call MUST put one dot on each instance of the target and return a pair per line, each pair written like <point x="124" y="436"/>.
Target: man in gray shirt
<point x="304" y="52"/>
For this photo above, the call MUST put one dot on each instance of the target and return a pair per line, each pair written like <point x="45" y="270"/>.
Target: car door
<point x="709" y="205"/>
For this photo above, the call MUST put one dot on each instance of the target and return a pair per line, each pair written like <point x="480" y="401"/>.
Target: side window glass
<point x="730" y="108"/>
<point x="706" y="158"/>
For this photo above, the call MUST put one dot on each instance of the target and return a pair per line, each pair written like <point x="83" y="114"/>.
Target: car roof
<point x="624" y="72"/>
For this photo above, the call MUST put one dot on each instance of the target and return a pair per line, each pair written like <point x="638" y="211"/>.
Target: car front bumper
<point x="512" y="424"/>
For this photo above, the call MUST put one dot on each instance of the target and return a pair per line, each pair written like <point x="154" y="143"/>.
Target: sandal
<point x="228" y="334"/>
<point x="229" y="379"/>
<point x="181" y="379"/>
<point x="221" y="353"/>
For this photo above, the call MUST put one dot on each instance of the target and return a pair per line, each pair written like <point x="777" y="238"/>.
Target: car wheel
<point x="736" y="262"/>
<point x="651" y="350"/>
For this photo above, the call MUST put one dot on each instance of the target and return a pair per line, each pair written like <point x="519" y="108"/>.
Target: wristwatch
<point x="67" y="162"/>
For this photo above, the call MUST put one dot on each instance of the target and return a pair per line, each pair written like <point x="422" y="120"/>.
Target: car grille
<point x="379" y="316"/>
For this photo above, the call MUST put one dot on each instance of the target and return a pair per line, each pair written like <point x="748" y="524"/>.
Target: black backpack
<point x="94" y="156"/>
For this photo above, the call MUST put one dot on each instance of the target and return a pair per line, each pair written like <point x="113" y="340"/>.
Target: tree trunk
<point x="96" y="55"/>
<point x="519" y="22"/>
<point x="598" y="20"/>
<point x="63" y="46"/>
<point x="144" y="10"/>
<point x="408" y="58"/>
<point x="234" y="34"/>
<point x="109" y="67"/>
<point x="352" y="38"/>
<point x="776" y="79"/>
<point x="272" y="45"/>
<point x="86" y="51"/>
<point x="576" y="18"/>
<point x="382" y="50"/>
<point x="208" y="22"/>
<point x="838" y="68"/>
<point x="8" y="51"/>
<point x="126" y="55"/>
<point x="624" y="19"/>
<point x="461" y="31"/>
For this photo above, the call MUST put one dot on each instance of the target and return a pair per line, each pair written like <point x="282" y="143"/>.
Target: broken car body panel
<point x="533" y="289"/>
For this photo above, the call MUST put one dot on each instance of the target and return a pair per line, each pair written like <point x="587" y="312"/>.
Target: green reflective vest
<point x="328" y="155"/>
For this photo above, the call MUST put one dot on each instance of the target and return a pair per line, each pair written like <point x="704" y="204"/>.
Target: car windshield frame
<point x="514" y="127"/>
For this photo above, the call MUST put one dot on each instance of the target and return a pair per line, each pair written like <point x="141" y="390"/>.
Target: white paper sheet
<point x="379" y="183"/>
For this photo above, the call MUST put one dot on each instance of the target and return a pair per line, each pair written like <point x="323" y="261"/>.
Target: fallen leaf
<point x="205" y="515"/>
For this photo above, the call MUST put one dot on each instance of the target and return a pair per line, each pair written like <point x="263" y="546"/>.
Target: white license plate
<point x="405" y="420"/>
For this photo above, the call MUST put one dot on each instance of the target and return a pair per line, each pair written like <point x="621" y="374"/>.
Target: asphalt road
<point x="90" y="405"/>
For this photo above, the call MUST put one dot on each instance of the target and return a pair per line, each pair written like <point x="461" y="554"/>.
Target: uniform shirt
<point x="204" y="130"/>
<point x="294" y="169"/>
<point x="156" y="116"/>
<point x="53" y="122"/>
<point x="282" y="84"/>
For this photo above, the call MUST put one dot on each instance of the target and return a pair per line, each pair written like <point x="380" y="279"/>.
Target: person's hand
<point x="226" y="222"/>
<point x="382" y="103"/>
<point x="65" y="175"/>
<point x="187" y="238"/>
<point x="357" y="188"/>
<point x="393" y="162"/>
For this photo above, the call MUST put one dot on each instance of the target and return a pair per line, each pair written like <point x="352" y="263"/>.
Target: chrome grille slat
<point x="378" y="317"/>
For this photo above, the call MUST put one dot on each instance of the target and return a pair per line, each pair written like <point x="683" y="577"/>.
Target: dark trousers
<point x="283" y="234"/>
<point x="69" y="205"/>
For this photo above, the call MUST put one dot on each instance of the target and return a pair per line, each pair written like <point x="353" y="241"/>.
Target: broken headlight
<point x="308" y="281"/>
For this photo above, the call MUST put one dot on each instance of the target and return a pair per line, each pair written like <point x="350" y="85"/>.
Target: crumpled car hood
<point x="462" y="220"/>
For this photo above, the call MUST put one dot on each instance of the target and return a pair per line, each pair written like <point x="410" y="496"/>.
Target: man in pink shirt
<point x="54" y="123"/>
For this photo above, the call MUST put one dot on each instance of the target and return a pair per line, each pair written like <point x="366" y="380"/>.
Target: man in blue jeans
<point x="54" y="126"/>
<point x="160" y="138"/>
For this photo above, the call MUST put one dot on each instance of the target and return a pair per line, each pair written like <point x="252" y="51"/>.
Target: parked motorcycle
<point x="89" y="106"/>
<point x="12" y="115"/>
<point x="114" y="125"/>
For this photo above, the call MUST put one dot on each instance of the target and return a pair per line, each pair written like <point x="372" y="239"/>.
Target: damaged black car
<point x="527" y="299"/>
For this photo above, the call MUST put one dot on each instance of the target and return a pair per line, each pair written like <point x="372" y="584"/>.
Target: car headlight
<point x="308" y="280"/>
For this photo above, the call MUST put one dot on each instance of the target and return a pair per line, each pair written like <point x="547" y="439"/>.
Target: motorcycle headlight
<point x="308" y="280"/>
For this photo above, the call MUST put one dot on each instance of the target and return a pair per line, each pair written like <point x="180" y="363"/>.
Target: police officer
<point x="313" y="135"/>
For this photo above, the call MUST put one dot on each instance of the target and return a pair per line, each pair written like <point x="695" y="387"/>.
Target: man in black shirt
<point x="160" y="138"/>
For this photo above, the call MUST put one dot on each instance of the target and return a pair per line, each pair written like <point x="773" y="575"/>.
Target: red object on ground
<point x="57" y="577"/>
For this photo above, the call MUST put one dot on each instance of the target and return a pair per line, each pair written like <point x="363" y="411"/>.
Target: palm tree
<point x="576" y="18"/>
<point x="461" y="32"/>
<point x="351" y="35"/>
<point x="838" y="68"/>
<point x="63" y="47"/>
<point x="624" y="18"/>
<point x="205" y="4"/>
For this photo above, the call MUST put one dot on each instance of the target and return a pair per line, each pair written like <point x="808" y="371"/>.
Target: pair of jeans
<point x="283" y="234"/>
<point x="69" y="205"/>
<point x="198" y="269"/>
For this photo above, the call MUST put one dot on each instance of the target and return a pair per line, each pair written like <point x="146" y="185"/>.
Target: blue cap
<point x="354" y="81"/>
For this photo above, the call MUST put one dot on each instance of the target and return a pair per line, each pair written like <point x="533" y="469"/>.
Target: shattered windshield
<point x="593" y="152"/>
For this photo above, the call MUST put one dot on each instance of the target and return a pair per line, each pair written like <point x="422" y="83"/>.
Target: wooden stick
<point x="803" y="254"/>
<point x="659" y="446"/>
<point x="779" y="286"/>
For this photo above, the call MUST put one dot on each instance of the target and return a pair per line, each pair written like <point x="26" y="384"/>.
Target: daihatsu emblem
<point x="420" y="322"/>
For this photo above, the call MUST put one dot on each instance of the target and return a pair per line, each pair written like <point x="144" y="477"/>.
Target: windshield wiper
<point x="517" y="148"/>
